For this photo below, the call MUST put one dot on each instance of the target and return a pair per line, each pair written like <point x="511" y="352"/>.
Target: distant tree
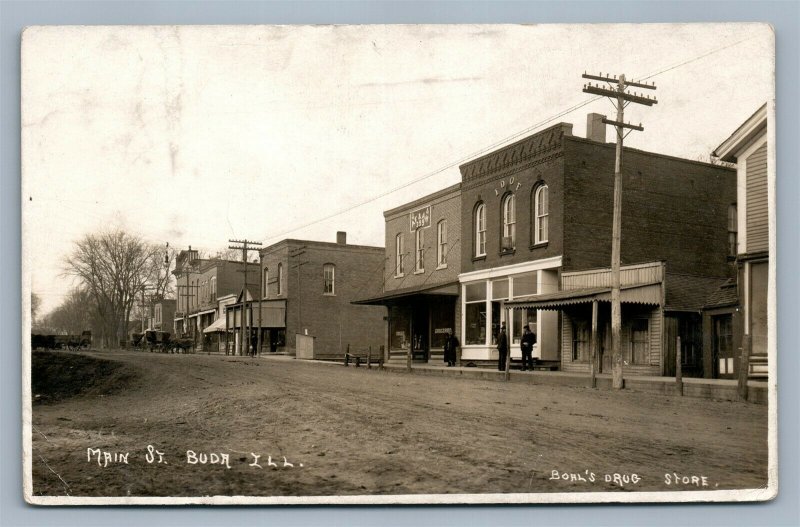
<point x="73" y="316"/>
<point x="36" y="304"/>
<point x="114" y="267"/>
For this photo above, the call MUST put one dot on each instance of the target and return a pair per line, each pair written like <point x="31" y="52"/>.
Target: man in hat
<point x="526" y="346"/>
<point x="502" y="347"/>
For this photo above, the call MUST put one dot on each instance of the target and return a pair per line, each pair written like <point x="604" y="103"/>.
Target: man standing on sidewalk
<point x="502" y="347"/>
<point x="526" y="346"/>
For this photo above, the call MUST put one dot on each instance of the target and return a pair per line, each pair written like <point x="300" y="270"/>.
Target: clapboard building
<point x="737" y="313"/>
<point x="540" y="210"/>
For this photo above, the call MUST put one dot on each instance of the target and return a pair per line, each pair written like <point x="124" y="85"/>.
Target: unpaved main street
<point x="360" y="431"/>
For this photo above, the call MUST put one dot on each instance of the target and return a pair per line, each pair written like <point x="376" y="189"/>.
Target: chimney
<point x="595" y="128"/>
<point x="341" y="238"/>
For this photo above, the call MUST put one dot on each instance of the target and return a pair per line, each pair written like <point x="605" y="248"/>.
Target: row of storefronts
<point x="524" y="239"/>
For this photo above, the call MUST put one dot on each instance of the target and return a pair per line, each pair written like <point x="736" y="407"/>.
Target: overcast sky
<point x="193" y="135"/>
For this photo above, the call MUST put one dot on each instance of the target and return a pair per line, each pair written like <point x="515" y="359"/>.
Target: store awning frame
<point x="447" y="289"/>
<point x="218" y="326"/>
<point x="645" y="294"/>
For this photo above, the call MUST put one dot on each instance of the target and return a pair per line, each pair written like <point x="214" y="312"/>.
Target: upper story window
<point x="280" y="279"/>
<point x="509" y="223"/>
<point x="265" y="284"/>
<point x="419" y="249"/>
<point x="157" y="313"/>
<point x="213" y="283"/>
<point x="328" y="276"/>
<point x="398" y="255"/>
<point x="732" y="230"/>
<point x="441" y="244"/>
<point x="480" y="230"/>
<point x="541" y="214"/>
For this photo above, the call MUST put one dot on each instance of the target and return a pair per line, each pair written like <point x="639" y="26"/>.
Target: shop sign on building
<point x="421" y="218"/>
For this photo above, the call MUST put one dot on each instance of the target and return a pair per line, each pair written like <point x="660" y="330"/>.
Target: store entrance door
<point x="420" y="329"/>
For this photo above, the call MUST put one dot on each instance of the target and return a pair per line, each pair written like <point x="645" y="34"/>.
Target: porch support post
<point x="594" y="344"/>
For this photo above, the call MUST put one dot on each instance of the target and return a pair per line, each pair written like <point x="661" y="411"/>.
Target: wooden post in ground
<point x="369" y="358"/>
<point x="594" y="344"/>
<point x="347" y="356"/>
<point x="744" y="366"/>
<point x="408" y="358"/>
<point x="678" y="368"/>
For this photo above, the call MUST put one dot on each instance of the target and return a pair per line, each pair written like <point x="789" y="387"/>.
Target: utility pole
<point x="621" y="98"/>
<point x="244" y="339"/>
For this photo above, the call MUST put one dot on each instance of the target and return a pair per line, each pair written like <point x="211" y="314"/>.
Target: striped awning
<point x="647" y="294"/>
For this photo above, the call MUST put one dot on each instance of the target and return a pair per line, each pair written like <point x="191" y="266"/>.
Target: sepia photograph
<point x="399" y="264"/>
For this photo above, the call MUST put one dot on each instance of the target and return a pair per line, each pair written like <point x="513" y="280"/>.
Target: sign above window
<point x="421" y="218"/>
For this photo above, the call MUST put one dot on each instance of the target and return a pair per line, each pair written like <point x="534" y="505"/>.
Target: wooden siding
<point x="649" y="273"/>
<point x="757" y="202"/>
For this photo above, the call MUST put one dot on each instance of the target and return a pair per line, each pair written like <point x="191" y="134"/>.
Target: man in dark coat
<point x="526" y="345"/>
<point x="450" y="345"/>
<point x="502" y="347"/>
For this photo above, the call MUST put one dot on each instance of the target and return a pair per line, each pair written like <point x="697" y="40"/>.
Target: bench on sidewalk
<point x="365" y="357"/>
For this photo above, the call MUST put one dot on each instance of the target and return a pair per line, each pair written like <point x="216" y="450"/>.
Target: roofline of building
<point x="287" y="241"/>
<point x="561" y="124"/>
<point x="649" y="153"/>
<point x="749" y="129"/>
<point x="452" y="189"/>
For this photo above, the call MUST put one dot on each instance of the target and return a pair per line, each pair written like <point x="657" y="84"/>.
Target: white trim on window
<point x="510" y="219"/>
<point x="329" y="279"/>
<point x="441" y="244"/>
<point x="419" y="251"/>
<point x="480" y="230"/>
<point x="541" y="226"/>
<point x="399" y="268"/>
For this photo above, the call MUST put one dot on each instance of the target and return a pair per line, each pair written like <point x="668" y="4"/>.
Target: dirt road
<point x="359" y="431"/>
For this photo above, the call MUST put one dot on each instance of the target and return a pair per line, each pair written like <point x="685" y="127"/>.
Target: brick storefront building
<point x="199" y="282"/>
<point x="420" y="277"/>
<point x="306" y="293"/>
<point x="541" y="207"/>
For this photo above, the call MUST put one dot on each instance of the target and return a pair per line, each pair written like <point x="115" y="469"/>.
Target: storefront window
<point x="521" y="317"/>
<point x="475" y="292"/>
<point x="441" y="323"/>
<point x="500" y="289"/>
<point x="524" y="284"/>
<point x="400" y="327"/>
<point x="475" y="323"/>
<point x="580" y="341"/>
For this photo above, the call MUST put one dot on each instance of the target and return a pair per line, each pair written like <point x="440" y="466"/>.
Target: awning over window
<point x="648" y="294"/>
<point x="217" y="327"/>
<point x="389" y="297"/>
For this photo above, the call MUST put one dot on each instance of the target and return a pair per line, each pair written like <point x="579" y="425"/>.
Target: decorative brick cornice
<point x="513" y="168"/>
<point x="530" y="149"/>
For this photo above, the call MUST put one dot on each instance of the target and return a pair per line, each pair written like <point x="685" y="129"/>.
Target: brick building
<point x="541" y="207"/>
<point x="737" y="313"/>
<point x="199" y="282"/>
<point x="306" y="293"/>
<point x="420" y="275"/>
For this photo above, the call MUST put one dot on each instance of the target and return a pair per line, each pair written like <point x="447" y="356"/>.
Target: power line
<point x="495" y="144"/>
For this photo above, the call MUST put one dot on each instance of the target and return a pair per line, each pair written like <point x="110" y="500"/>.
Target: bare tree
<point x="36" y="304"/>
<point x="73" y="316"/>
<point x="113" y="267"/>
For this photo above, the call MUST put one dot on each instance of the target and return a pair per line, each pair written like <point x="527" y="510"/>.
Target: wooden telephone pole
<point x="621" y="98"/>
<point x="244" y="339"/>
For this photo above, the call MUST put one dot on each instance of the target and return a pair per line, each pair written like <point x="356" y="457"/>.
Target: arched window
<point x="265" y="285"/>
<point x="398" y="255"/>
<point x="280" y="279"/>
<point x="541" y="211"/>
<point x="328" y="276"/>
<point x="732" y="230"/>
<point x="509" y="222"/>
<point x="441" y="244"/>
<point x="419" y="250"/>
<point x="480" y="230"/>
